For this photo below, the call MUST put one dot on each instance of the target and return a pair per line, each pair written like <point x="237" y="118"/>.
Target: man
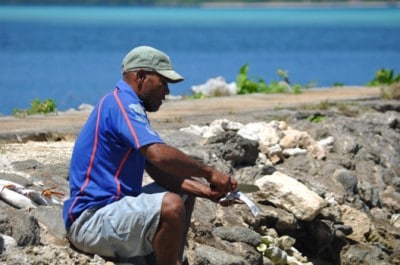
<point x="108" y="212"/>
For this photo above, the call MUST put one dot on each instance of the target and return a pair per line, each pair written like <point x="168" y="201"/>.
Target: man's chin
<point x="152" y="108"/>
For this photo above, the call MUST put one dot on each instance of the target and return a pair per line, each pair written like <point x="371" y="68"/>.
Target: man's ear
<point x="141" y="75"/>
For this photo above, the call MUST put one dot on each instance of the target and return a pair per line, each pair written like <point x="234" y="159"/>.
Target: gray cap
<point x="148" y="58"/>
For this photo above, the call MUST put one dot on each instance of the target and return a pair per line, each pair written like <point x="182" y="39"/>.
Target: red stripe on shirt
<point x="87" y="178"/>
<point x="127" y="119"/>
<point x="116" y="177"/>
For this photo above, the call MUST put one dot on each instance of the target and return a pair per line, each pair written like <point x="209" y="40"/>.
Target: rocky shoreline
<point x="328" y="173"/>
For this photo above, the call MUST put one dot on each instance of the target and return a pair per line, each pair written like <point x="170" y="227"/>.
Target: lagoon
<point x="73" y="54"/>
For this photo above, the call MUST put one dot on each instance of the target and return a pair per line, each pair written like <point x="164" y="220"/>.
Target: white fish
<point x="36" y="196"/>
<point x="15" y="199"/>
<point x="4" y="182"/>
<point x="238" y="195"/>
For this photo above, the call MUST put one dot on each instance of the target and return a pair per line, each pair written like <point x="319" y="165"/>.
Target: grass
<point x="37" y="107"/>
<point x="177" y="119"/>
<point x="323" y="105"/>
<point x="391" y="91"/>
<point x="346" y="110"/>
<point x="316" y="118"/>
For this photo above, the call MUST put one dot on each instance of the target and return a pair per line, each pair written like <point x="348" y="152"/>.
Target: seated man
<point x="109" y="213"/>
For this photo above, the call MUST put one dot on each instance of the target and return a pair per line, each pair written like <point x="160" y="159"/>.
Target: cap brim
<point x="171" y="75"/>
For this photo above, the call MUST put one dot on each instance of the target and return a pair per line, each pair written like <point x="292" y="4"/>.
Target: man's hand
<point x="222" y="182"/>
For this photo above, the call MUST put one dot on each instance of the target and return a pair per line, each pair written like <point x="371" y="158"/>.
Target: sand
<point x="180" y="113"/>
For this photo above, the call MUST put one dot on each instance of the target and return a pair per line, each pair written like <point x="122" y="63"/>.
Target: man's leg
<point x="167" y="242"/>
<point x="189" y="206"/>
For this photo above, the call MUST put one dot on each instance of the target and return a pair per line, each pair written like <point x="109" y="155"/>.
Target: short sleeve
<point x="131" y="125"/>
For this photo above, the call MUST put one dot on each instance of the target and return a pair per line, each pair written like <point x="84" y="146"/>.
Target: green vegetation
<point x="316" y="118"/>
<point x="384" y="77"/>
<point x="198" y="95"/>
<point x="389" y="83"/>
<point x="338" y="84"/>
<point x="245" y="85"/>
<point x="323" y="105"/>
<point x="37" y="107"/>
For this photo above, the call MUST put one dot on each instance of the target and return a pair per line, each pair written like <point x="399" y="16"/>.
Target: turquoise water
<point x="204" y="16"/>
<point x="73" y="54"/>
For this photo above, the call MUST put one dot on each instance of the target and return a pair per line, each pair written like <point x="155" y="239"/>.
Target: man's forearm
<point x="179" y="184"/>
<point x="175" y="162"/>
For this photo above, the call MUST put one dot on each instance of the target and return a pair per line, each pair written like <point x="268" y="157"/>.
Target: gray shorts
<point x="121" y="229"/>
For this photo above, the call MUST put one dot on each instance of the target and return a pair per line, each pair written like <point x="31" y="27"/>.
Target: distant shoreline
<point x="274" y="4"/>
<point x="307" y="4"/>
<point x="182" y="113"/>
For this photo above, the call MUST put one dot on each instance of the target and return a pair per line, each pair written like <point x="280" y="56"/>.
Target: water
<point x="73" y="54"/>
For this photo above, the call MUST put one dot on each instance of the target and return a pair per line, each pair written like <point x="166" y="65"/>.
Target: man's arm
<point x="176" y="163"/>
<point x="182" y="185"/>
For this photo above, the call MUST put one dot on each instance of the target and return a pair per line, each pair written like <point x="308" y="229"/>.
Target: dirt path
<point x="186" y="111"/>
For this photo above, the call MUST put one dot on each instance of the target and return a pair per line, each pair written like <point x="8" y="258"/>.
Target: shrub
<point x="316" y="118"/>
<point x="37" y="107"/>
<point x="384" y="77"/>
<point x="247" y="86"/>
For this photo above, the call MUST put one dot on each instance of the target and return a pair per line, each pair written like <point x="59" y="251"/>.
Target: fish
<point x="6" y="183"/>
<point x="238" y="195"/>
<point x="15" y="199"/>
<point x="39" y="198"/>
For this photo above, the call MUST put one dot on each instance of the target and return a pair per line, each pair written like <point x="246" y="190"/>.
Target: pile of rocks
<point x="333" y="186"/>
<point x="329" y="192"/>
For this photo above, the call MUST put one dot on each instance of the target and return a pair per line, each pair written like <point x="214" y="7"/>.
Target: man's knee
<point x="173" y="207"/>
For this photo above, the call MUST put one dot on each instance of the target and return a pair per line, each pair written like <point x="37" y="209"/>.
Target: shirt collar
<point x="123" y="86"/>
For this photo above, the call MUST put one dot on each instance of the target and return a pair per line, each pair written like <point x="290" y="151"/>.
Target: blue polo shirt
<point x="106" y="164"/>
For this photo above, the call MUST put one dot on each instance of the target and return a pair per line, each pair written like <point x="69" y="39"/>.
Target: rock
<point x="52" y="225"/>
<point x="395" y="220"/>
<point x="294" y="151"/>
<point x="238" y="234"/>
<point x="285" y="242"/>
<point x="291" y="195"/>
<point x="327" y="143"/>
<point x="347" y="180"/>
<point x="390" y="199"/>
<point x="227" y="125"/>
<point x="252" y="131"/>
<point x="363" y="254"/>
<point x="208" y="255"/>
<point x="85" y="107"/>
<point x="195" y="129"/>
<point x="6" y="243"/>
<point x="215" y="87"/>
<point x="359" y="222"/>
<point x="276" y="255"/>
<point x="295" y="138"/>
<point x="357" y="178"/>
<point x="20" y="225"/>
<point x="268" y="136"/>
<point x="234" y="148"/>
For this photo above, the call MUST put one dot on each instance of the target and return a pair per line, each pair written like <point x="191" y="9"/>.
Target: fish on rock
<point x="15" y="199"/>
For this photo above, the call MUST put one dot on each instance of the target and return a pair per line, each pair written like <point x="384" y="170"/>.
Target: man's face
<point x="154" y="89"/>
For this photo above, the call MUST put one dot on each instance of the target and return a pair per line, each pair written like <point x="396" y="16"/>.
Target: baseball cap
<point x="149" y="58"/>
